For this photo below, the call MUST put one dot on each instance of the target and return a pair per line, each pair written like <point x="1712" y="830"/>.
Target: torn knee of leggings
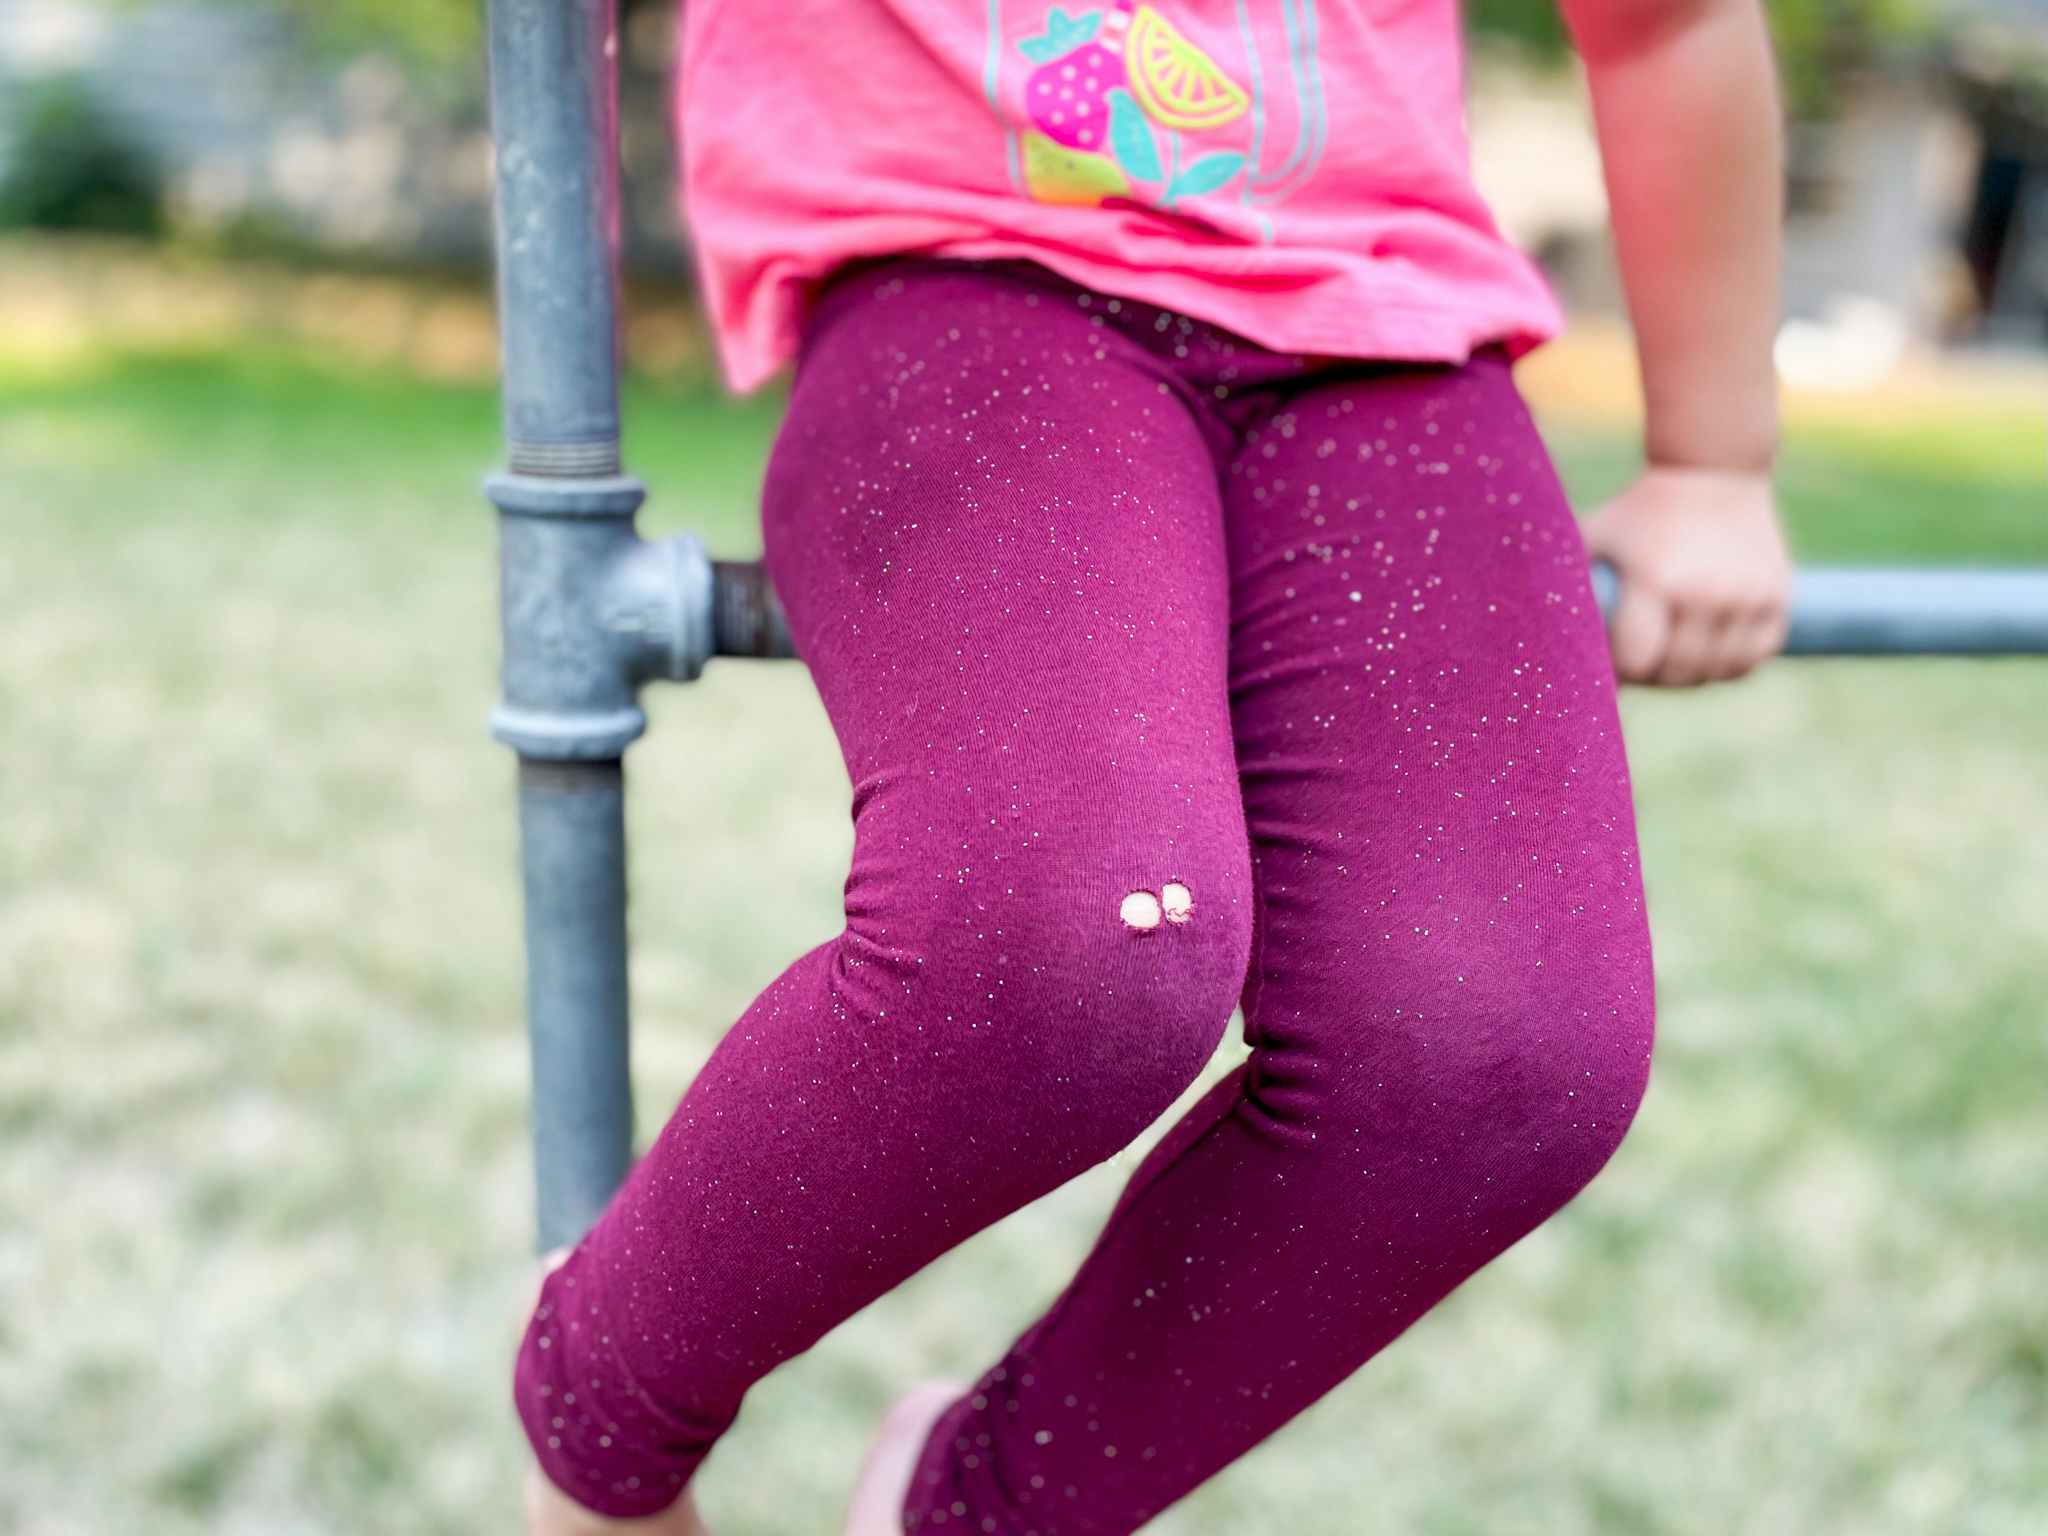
<point x="1144" y="910"/>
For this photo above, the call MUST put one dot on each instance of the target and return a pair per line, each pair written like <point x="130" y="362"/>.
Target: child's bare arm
<point x="1686" y="105"/>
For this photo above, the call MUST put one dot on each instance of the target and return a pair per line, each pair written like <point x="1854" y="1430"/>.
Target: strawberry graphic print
<point x="1120" y="104"/>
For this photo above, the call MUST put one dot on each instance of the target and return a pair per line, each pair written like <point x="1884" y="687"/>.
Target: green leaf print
<point x="1130" y="136"/>
<point x="1205" y="175"/>
<point x="1062" y="35"/>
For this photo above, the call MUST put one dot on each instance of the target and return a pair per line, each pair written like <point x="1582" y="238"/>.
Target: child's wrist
<point x="1732" y="428"/>
<point x="1729" y="469"/>
<point x="1719" y="447"/>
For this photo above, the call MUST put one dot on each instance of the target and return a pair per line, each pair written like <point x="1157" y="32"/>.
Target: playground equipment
<point x="591" y="611"/>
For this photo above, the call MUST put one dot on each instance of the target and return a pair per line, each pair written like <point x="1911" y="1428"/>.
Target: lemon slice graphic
<point x="1176" y="83"/>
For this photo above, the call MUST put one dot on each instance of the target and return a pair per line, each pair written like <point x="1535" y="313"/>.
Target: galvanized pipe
<point x="554" y="125"/>
<point x="1887" y="611"/>
<point x="566" y="524"/>
<point x="572" y="832"/>
<point x="590" y="611"/>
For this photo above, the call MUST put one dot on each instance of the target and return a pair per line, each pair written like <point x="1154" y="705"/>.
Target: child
<point x="1201" y="621"/>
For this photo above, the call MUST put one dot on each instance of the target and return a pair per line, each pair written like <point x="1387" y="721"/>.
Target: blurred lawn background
<point x="264" y="1212"/>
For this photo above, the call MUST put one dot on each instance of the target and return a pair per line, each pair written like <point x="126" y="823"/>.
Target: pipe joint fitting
<point x="657" y="606"/>
<point x="591" y="611"/>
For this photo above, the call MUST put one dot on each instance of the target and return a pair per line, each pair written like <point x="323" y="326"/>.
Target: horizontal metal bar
<point x="1892" y="611"/>
<point x="746" y="618"/>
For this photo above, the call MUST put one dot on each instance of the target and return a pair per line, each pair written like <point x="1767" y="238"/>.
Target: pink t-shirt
<point x="1293" y="170"/>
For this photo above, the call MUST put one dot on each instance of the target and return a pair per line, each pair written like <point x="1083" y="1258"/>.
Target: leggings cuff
<point x="596" y="1435"/>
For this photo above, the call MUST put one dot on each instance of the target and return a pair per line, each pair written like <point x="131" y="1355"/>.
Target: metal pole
<point x="572" y="834"/>
<point x="1880" y="611"/>
<point x="590" y="610"/>
<point x="554" y="123"/>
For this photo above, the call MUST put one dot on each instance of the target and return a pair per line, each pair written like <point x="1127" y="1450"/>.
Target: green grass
<point x="265" y="1210"/>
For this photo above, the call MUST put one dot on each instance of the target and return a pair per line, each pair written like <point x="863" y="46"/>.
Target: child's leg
<point x="1001" y="550"/>
<point x="1450" y="998"/>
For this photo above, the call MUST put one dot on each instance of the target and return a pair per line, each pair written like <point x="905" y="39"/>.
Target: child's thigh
<point x="1422" y="695"/>
<point x="980" y="497"/>
<point x="1409" y="529"/>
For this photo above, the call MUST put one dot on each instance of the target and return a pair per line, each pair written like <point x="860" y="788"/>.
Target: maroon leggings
<point x="1168" y="672"/>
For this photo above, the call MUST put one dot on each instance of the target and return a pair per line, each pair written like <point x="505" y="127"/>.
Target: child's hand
<point x="1704" y="574"/>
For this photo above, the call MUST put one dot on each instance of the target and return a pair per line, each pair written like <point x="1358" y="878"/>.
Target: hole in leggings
<point x="1140" y="911"/>
<point x="1177" y="900"/>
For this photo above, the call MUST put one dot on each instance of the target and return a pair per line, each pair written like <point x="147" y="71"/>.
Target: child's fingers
<point x="1770" y="632"/>
<point x="1741" y="635"/>
<point x="1689" y="653"/>
<point x="1639" y="632"/>
<point x="1728" y="653"/>
<point x="1745" y="641"/>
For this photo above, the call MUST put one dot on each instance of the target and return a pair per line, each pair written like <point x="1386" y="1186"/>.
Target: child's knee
<point x="1559" y="1068"/>
<point x="1514" y="1078"/>
<point x="1577" y="1063"/>
<point x="1100" y="981"/>
<point x="1166" y="962"/>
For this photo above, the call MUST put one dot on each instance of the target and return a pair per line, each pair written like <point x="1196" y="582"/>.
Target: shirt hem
<point x="1297" y="320"/>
